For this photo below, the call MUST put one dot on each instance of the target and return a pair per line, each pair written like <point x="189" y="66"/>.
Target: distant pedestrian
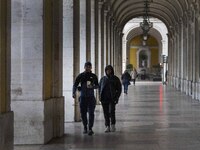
<point x="126" y="78"/>
<point x="134" y="75"/>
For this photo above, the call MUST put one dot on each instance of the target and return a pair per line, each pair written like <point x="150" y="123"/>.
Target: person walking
<point x="88" y="82"/>
<point x="109" y="93"/>
<point x="126" y="81"/>
<point x="134" y="75"/>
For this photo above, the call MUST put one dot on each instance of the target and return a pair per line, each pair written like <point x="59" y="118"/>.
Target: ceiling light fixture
<point x="146" y="25"/>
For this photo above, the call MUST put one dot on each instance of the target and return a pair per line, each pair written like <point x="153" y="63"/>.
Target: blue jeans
<point x="126" y="84"/>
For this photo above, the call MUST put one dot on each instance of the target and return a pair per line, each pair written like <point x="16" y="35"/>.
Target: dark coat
<point x="114" y="86"/>
<point x="126" y="77"/>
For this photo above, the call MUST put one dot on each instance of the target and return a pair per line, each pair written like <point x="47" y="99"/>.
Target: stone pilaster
<point x="36" y="83"/>
<point x="101" y="69"/>
<point x="105" y="38"/>
<point x="6" y="115"/>
<point x="68" y="56"/>
<point x="92" y="35"/>
<point x="111" y="42"/>
<point x="82" y="25"/>
<point x="76" y="52"/>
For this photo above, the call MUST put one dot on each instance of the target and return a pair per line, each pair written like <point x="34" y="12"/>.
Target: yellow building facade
<point x="136" y="45"/>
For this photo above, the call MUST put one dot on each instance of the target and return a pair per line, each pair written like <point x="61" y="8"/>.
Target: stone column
<point x="100" y="63"/>
<point x="185" y="37"/>
<point x="111" y="42"/>
<point x="178" y="48"/>
<point x="197" y="57"/>
<point x="69" y="39"/>
<point x="114" y="45"/>
<point x="187" y="60"/>
<point x="170" y="64"/>
<point x="105" y="38"/>
<point x="55" y="95"/>
<point x="82" y="24"/>
<point x="76" y="52"/>
<point x="190" y="54"/>
<point x="96" y="36"/>
<point x="120" y="52"/>
<point x="88" y="30"/>
<point x="117" y="62"/>
<point x="6" y="115"/>
<point x="174" y="60"/>
<point x="182" y="54"/>
<point x="102" y="42"/>
<point x="109" y="38"/>
<point x="92" y="34"/>
<point x="36" y="81"/>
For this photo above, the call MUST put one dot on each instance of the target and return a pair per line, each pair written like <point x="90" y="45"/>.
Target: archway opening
<point x="146" y="55"/>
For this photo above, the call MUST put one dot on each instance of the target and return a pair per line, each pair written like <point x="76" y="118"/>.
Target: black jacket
<point x="82" y="78"/>
<point x="114" y="86"/>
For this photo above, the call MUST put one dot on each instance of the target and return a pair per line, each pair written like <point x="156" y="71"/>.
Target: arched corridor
<point x="150" y="117"/>
<point x="45" y="43"/>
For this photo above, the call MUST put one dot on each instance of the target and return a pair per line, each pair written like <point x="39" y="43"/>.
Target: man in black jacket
<point x="88" y="82"/>
<point x="109" y="91"/>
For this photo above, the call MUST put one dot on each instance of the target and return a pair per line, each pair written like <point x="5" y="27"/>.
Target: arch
<point x="167" y="11"/>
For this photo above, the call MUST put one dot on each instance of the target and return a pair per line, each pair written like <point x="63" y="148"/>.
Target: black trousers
<point x="109" y="113"/>
<point x="134" y="81"/>
<point x="87" y="105"/>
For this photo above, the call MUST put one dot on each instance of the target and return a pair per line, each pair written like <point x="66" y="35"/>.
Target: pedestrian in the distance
<point x="134" y="75"/>
<point x="126" y="78"/>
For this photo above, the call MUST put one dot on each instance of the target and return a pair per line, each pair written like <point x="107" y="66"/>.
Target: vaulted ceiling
<point x="168" y="11"/>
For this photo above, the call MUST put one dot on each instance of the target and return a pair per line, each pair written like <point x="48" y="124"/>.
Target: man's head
<point x="88" y="66"/>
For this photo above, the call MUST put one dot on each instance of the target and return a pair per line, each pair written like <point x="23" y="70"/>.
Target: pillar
<point x="84" y="52"/>
<point x="36" y="75"/>
<point x="182" y="54"/>
<point x="100" y="63"/>
<point x="76" y="52"/>
<point x="6" y="115"/>
<point x="117" y="53"/>
<point x="91" y="40"/>
<point x="185" y="43"/>
<point x="69" y="39"/>
<point x="111" y="41"/>
<point x="109" y="38"/>
<point x="105" y="37"/>
<point x="198" y="61"/>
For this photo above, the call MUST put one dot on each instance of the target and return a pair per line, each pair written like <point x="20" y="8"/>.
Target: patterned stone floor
<point x="150" y="117"/>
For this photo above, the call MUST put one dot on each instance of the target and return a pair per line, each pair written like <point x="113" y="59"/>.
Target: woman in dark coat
<point x="126" y="77"/>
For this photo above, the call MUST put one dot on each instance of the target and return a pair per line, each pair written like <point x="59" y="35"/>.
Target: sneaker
<point x="90" y="132"/>
<point x="113" y="129"/>
<point x="85" y="130"/>
<point x="107" y="129"/>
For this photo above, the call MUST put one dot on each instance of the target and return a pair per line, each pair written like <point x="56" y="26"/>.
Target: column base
<point x="37" y="122"/>
<point x="6" y="131"/>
